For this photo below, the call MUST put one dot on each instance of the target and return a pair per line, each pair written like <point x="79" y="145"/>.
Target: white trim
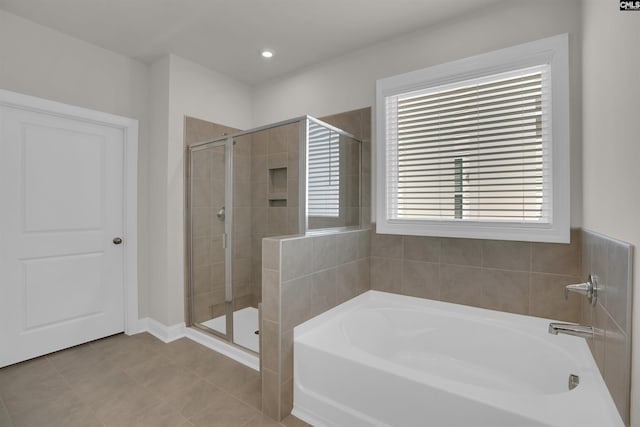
<point x="164" y="333"/>
<point x="129" y="128"/>
<point x="222" y="347"/>
<point x="553" y="50"/>
<point x="171" y="333"/>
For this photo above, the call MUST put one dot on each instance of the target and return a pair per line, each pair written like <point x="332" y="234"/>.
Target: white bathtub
<point x="389" y="360"/>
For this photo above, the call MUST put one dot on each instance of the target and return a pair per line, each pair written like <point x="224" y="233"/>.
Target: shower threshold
<point x="245" y="324"/>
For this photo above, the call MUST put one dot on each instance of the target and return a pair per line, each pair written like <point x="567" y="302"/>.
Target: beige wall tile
<point x="346" y="247"/>
<point x="277" y="143"/>
<point x="271" y="393"/>
<point x="461" y="251"/>
<point x="202" y="279"/>
<point x="506" y="290"/>
<point x="296" y="301"/>
<point x="286" y="399"/>
<point x="557" y="258"/>
<point x="599" y="321"/>
<point x="296" y="258"/>
<point x="271" y="295"/>
<point x="324" y="252"/>
<point x="260" y="220"/>
<point x="364" y="275"/>
<point x="271" y="254"/>
<point x="459" y="284"/>
<point x="293" y="166"/>
<point x="618" y="285"/>
<point x="546" y="295"/>
<point x="506" y="255"/>
<point x="420" y="279"/>
<point x="346" y="281"/>
<point x="277" y="160"/>
<point x="242" y="273"/>
<point x="201" y="251"/>
<point x="242" y="243"/>
<point x="201" y="307"/>
<point x="259" y="172"/>
<point x="217" y="249"/>
<point x="201" y="164"/>
<point x="201" y="193"/>
<point x="386" y="274"/>
<point x="270" y="349"/>
<point x="364" y="243"/>
<point x="386" y="245"/>
<point x="202" y="222"/>
<point x="241" y="194"/>
<point x="323" y="291"/>
<point x="196" y="130"/>
<point x="616" y="365"/>
<point x="277" y="220"/>
<point x="260" y="141"/>
<point x="218" y="274"/>
<point x="293" y="193"/>
<point x="419" y="248"/>
<point x="286" y="351"/>
<point x="293" y="226"/>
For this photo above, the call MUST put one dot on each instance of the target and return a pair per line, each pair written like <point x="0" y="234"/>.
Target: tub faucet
<point x="571" y="329"/>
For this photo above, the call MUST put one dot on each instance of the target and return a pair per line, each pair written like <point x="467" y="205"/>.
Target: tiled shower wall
<point x="274" y="191"/>
<point x="517" y="277"/>
<point x="303" y="276"/>
<point x="610" y="261"/>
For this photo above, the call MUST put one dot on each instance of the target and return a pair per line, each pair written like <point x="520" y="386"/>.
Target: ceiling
<point x="228" y="35"/>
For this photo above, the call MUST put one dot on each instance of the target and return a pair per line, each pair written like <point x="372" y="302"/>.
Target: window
<point x="477" y="148"/>
<point x="324" y="172"/>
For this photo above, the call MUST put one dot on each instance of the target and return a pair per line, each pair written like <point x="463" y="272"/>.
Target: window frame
<point x="553" y="51"/>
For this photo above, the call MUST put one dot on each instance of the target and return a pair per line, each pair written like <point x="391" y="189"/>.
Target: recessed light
<point x="267" y="54"/>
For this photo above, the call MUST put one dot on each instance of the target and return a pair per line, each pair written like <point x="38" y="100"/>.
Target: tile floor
<point x="125" y="381"/>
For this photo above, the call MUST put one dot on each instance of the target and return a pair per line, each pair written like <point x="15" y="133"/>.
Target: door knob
<point x="117" y="240"/>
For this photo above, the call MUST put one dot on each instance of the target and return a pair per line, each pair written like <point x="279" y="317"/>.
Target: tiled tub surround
<point x="516" y="277"/>
<point x="303" y="276"/>
<point x="610" y="261"/>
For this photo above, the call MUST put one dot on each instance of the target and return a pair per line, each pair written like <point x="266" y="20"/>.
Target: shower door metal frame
<point x="228" y="141"/>
<point x="227" y="144"/>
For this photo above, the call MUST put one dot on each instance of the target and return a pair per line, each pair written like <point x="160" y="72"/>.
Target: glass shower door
<point x="209" y="263"/>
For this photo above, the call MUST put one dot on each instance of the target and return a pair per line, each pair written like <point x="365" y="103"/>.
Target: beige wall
<point x="611" y="126"/>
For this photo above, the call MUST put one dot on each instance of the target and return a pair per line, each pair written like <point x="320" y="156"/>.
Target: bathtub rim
<point x="588" y="367"/>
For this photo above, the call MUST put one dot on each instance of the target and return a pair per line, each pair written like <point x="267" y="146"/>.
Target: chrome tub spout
<point x="582" y="331"/>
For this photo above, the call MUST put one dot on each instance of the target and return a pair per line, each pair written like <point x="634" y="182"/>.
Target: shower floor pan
<point x="245" y="324"/>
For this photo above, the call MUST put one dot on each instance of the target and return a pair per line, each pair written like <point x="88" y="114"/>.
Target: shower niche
<point x="282" y="179"/>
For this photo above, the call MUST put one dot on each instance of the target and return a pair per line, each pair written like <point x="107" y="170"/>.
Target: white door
<point x="61" y="198"/>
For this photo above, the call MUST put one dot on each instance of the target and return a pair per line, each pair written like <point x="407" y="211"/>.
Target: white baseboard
<point x="179" y="330"/>
<point x="162" y="332"/>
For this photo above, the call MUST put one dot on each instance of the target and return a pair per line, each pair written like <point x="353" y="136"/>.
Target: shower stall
<point x="282" y="179"/>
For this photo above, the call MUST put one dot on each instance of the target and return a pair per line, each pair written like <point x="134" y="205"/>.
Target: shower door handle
<point x="220" y="214"/>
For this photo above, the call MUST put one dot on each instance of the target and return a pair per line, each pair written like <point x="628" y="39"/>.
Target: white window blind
<point x="474" y="150"/>
<point x="323" y="172"/>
